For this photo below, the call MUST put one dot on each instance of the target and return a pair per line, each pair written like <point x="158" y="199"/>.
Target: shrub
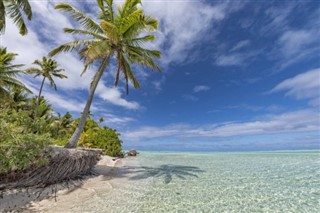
<point x="20" y="151"/>
<point x="102" y="138"/>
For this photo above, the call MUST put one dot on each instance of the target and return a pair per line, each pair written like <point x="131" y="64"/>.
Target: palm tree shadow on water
<point x="168" y="172"/>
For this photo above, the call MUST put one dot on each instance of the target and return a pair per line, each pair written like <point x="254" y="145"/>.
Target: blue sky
<point x="236" y="75"/>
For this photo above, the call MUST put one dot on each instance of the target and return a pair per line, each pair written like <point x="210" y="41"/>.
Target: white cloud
<point x="302" y="86"/>
<point x="190" y="98"/>
<point x="111" y="119"/>
<point x="200" y="88"/>
<point x="240" y="45"/>
<point x="294" y="41"/>
<point x="230" y="60"/>
<point x="158" y="84"/>
<point x="185" y="24"/>
<point x="297" y="121"/>
<point x="113" y="95"/>
<point x="70" y="105"/>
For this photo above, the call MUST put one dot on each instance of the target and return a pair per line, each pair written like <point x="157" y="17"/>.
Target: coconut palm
<point x="119" y="35"/>
<point x="8" y="74"/>
<point x="15" y="9"/>
<point x="18" y="100"/>
<point x="48" y="69"/>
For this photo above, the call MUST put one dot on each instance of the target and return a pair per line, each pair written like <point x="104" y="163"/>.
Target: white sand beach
<point x="64" y="199"/>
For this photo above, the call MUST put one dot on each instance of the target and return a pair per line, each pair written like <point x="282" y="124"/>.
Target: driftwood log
<point x="64" y="164"/>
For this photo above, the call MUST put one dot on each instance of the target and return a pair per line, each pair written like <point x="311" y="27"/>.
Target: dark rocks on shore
<point x="132" y="152"/>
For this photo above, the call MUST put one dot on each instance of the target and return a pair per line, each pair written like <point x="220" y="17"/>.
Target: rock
<point x="132" y="152"/>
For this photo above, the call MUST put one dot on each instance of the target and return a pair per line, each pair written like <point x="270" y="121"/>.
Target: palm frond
<point x="129" y="20"/>
<point x="32" y="70"/>
<point x="131" y="75"/>
<point x="110" y="30"/>
<point x="85" y="21"/>
<point x="96" y="50"/>
<point x="70" y="46"/>
<point x="141" y="40"/>
<point x="128" y="7"/>
<point x="25" y="6"/>
<point x="52" y="83"/>
<point x="15" y="14"/>
<point x="83" y="32"/>
<point x="106" y="11"/>
<point x="151" y="23"/>
<point x="59" y="75"/>
<point x="144" y="56"/>
<point x="2" y="17"/>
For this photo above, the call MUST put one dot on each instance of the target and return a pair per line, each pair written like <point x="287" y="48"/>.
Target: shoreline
<point x="62" y="196"/>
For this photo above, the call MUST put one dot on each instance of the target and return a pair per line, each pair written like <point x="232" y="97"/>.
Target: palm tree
<point x="19" y="100"/>
<point x="120" y="35"/>
<point x="8" y="74"/>
<point x="48" y="70"/>
<point x="15" y="10"/>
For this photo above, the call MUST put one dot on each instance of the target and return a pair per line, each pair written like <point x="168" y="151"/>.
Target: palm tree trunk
<point x="72" y="143"/>
<point x="38" y="101"/>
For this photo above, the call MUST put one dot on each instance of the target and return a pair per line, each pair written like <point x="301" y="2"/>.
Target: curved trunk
<point x="38" y="101"/>
<point x="72" y="143"/>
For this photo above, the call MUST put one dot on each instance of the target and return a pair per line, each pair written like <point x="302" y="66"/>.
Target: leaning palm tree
<point x="8" y="74"/>
<point x="119" y="35"/>
<point x="15" y="9"/>
<point x="48" y="69"/>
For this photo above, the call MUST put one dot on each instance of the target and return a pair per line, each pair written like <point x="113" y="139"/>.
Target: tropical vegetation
<point x="29" y="124"/>
<point x="48" y="69"/>
<point x="25" y="139"/>
<point x="120" y="35"/>
<point x="8" y="73"/>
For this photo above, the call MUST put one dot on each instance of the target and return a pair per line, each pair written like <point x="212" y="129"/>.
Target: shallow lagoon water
<point x="213" y="182"/>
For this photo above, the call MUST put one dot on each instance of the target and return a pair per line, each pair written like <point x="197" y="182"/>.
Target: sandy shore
<point x="59" y="198"/>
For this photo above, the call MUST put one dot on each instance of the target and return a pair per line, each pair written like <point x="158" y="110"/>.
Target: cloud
<point x="297" y="121"/>
<point x="236" y="57"/>
<point x="277" y="19"/>
<point x="230" y="60"/>
<point x="190" y="98"/>
<point x="200" y="88"/>
<point x="158" y="84"/>
<point x="111" y="119"/>
<point x="294" y="45"/>
<point x="113" y="95"/>
<point x="240" y="45"/>
<point x="70" y="105"/>
<point x="292" y="42"/>
<point x="184" y="25"/>
<point x="302" y="86"/>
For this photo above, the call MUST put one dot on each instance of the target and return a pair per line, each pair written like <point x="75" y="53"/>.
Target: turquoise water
<point x="214" y="182"/>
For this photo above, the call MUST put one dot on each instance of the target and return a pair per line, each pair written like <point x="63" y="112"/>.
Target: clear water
<point x="215" y="182"/>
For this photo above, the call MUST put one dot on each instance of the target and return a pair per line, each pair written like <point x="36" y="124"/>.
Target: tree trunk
<point x="72" y="143"/>
<point x="38" y="101"/>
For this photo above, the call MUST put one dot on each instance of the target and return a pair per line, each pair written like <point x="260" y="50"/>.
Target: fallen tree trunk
<point x="64" y="164"/>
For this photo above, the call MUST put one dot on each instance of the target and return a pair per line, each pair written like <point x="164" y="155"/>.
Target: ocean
<point x="286" y="181"/>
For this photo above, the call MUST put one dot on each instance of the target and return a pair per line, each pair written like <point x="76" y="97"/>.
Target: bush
<point x="20" y="151"/>
<point x="102" y="138"/>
